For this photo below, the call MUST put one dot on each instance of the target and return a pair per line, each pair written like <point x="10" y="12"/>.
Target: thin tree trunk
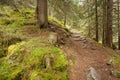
<point x="109" y="23"/>
<point x="104" y="22"/>
<point x="118" y="24"/>
<point x="89" y="27"/>
<point x="96" y="20"/>
<point x="65" y="20"/>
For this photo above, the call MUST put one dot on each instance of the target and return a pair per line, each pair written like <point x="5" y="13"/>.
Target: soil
<point x="82" y="53"/>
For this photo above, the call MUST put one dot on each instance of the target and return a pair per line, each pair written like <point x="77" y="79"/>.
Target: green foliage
<point x="34" y="75"/>
<point x="26" y="60"/>
<point x="59" y="62"/>
<point x="6" y="21"/>
<point x="118" y="74"/>
<point x="10" y="22"/>
<point x="5" y="10"/>
<point x="53" y="75"/>
<point x="1" y="52"/>
<point x="116" y="60"/>
<point x="25" y="57"/>
<point x="28" y="13"/>
<point x="13" y="20"/>
<point x="9" y="71"/>
<point x="56" y="21"/>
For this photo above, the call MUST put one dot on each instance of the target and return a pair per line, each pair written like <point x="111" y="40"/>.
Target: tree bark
<point x="104" y="21"/>
<point x="107" y="22"/>
<point x="96" y="20"/>
<point x="118" y="24"/>
<point x="88" y="14"/>
<point x="65" y="20"/>
<point x="42" y="14"/>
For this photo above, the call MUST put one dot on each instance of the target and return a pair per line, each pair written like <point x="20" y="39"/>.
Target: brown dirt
<point x="91" y="56"/>
<point x="81" y="54"/>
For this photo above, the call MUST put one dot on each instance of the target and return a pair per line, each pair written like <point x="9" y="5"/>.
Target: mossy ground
<point x="26" y="59"/>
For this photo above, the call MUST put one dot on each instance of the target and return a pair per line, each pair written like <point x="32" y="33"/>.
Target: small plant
<point x="116" y="60"/>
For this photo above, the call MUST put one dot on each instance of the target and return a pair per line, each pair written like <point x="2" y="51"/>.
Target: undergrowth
<point x="56" y="22"/>
<point x="26" y="59"/>
<point x="11" y="25"/>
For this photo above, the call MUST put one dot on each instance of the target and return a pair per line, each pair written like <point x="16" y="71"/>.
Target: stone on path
<point x="92" y="74"/>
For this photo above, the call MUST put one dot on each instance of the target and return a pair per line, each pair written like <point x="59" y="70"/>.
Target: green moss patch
<point x="27" y="60"/>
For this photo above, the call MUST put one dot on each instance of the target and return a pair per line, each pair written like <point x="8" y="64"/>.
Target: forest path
<point x="85" y="54"/>
<point x="82" y="53"/>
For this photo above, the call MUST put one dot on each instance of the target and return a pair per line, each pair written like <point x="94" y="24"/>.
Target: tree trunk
<point x="104" y="21"/>
<point x="109" y="23"/>
<point x="96" y="20"/>
<point x="65" y="20"/>
<point x="88" y="14"/>
<point x="42" y="15"/>
<point x="118" y="24"/>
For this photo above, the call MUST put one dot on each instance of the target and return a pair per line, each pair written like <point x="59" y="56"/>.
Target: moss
<point x="118" y="75"/>
<point x="116" y="60"/>
<point x="25" y="60"/>
<point x="6" y="21"/>
<point x="55" y="21"/>
<point x="28" y="61"/>
<point x="2" y="54"/>
<point x="53" y="75"/>
<point x="34" y="75"/>
<point x="29" y="13"/>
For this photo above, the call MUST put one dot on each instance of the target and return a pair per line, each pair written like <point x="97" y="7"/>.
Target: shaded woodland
<point x="59" y="39"/>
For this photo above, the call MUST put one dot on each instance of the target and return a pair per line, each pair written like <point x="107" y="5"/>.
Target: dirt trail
<point x="82" y="53"/>
<point x="86" y="54"/>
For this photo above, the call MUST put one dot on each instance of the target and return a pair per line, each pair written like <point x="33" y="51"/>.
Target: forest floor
<point x="81" y="53"/>
<point x="85" y="55"/>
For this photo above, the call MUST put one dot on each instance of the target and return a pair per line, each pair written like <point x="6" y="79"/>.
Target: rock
<point x="82" y="38"/>
<point x="76" y="35"/>
<point x="110" y="62"/>
<point x="76" y="39"/>
<point x="48" y="63"/>
<point x="92" y="74"/>
<point x="10" y="61"/>
<point x="84" y="46"/>
<point x="53" y="38"/>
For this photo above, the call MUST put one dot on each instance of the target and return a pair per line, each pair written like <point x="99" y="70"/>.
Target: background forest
<point x="85" y="33"/>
